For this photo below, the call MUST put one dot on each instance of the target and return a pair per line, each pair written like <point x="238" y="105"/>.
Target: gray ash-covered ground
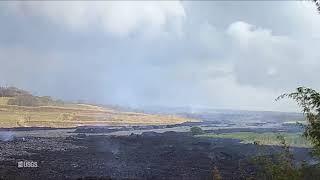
<point x="169" y="155"/>
<point x="110" y="129"/>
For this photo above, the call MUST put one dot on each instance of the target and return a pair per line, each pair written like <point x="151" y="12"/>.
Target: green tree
<point x="278" y="166"/>
<point x="282" y="166"/>
<point x="317" y="2"/>
<point x="309" y="100"/>
<point x="195" y="130"/>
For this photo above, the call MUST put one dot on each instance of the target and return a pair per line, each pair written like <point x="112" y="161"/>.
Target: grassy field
<point x="4" y="100"/>
<point x="293" y="139"/>
<point x="72" y="115"/>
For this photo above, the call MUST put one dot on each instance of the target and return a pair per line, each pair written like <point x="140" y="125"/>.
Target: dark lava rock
<point x="168" y="155"/>
<point x="81" y="135"/>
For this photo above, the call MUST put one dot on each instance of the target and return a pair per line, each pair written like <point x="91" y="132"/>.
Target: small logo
<point x="27" y="164"/>
<point x="20" y="164"/>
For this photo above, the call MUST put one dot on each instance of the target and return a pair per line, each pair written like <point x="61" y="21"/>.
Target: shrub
<point x="12" y="92"/>
<point x="216" y="173"/>
<point x="25" y="100"/>
<point x="29" y="100"/>
<point x="196" y="130"/>
<point x="44" y="100"/>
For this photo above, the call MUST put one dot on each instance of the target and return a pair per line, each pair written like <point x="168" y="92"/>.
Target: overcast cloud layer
<point x="236" y="55"/>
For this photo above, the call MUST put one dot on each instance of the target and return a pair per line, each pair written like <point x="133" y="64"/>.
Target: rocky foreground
<point x="169" y="155"/>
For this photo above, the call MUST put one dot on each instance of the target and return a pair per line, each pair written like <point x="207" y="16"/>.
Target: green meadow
<point x="293" y="139"/>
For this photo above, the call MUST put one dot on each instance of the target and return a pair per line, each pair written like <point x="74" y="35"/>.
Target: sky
<point x="225" y="55"/>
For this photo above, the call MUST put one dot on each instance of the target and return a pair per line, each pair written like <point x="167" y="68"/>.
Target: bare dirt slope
<point x="72" y="115"/>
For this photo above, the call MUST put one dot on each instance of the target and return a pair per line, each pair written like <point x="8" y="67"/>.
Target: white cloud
<point x="246" y="34"/>
<point x="117" y="17"/>
<point x="219" y="61"/>
<point x="304" y="18"/>
<point x="263" y="59"/>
